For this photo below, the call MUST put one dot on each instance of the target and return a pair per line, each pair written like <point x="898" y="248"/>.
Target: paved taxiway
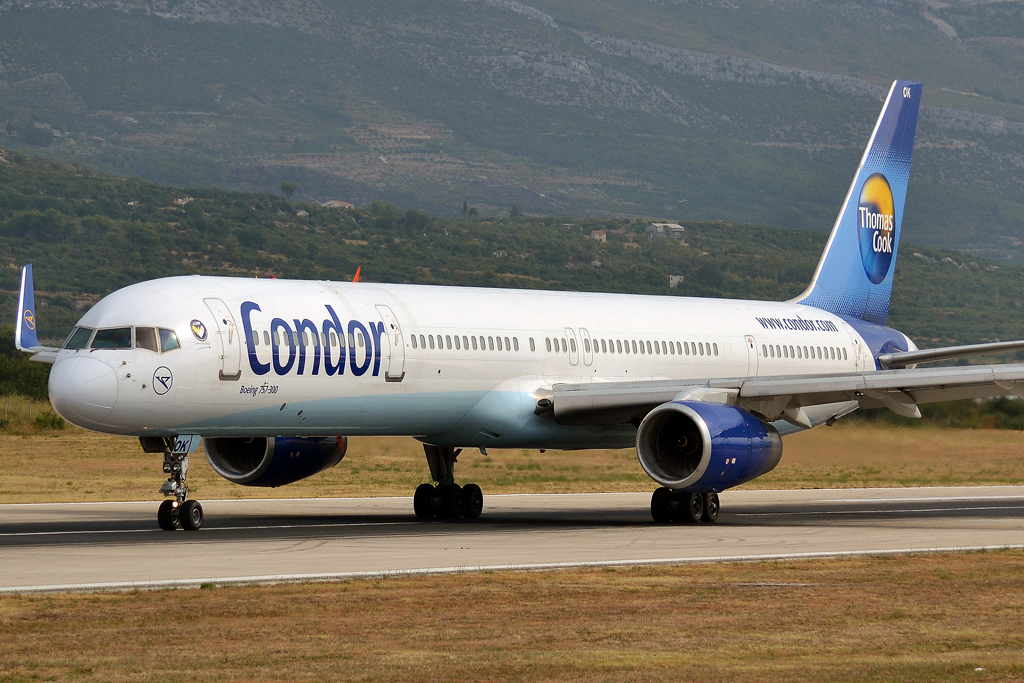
<point x="117" y="545"/>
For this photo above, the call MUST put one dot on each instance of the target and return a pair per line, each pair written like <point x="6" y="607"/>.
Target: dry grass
<point x="75" y="465"/>
<point x="917" y="618"/>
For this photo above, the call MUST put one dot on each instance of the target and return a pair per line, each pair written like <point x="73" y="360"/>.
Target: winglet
<point x="25" y="338"/>
<point x="358" y="270"/>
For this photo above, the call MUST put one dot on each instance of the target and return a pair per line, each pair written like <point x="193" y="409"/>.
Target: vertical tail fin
<point x="25" y="338"/>
<point x="854" y="276"/>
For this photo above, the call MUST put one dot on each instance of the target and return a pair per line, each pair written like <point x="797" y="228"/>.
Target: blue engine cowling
<point x="694" y="446"/>
<point x="275" y="460"/>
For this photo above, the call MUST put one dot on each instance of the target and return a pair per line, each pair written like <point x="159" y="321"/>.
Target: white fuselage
<point x="424" y="361"/>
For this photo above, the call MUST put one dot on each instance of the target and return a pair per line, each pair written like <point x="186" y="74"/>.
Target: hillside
<point x="88" y="234"/>
<point x="741" y="111"/>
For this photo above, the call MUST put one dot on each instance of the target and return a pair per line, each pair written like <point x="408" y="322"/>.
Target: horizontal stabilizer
<point x="902" y="359"/>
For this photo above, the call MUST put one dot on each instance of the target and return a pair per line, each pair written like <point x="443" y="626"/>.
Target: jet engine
<point x="275" y="460"/>
<point x="705" y="447"/>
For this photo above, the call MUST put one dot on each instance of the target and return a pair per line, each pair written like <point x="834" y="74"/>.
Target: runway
<point x="90" y="546"/>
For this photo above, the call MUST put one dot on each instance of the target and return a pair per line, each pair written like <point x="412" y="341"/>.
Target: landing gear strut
<point x="446" y="500"/>
<point x="690" y="508"/>
<point x="188" y="514"/>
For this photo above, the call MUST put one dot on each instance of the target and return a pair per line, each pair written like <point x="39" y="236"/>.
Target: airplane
<point x="273" y="375"/>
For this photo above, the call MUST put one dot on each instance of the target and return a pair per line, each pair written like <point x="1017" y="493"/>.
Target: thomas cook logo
<point x="30" y="320"/>
<point x="162" y="380"/>
<point x="199" y="330"/>
<point x="876" y="223"/>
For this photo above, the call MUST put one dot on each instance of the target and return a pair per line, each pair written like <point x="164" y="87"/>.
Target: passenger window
<point x="458" y="344"/>
<point x="145" y="338"/>
<point x="277" y="338"/>
<point x="168" y="340"/>
<point x="671" y="348"/>
<point x="785" y="351"/>
<point x="764" y="350"/>
<point x="499" y="343"/>
<point x="604" y="347"/>
<point x="572" y="345"/>
<point x="490" y="343"/>
<point x="586" y="345"/>
<point x="430" y="338"/>
<point x="642" y="349"/>
<point x="618" y="346"/>
<point x="533" y="346"/>
<point x="832" y="352"/>
<point x="844" y="354"/>
<point x="819" y="353"/>
<point x="791" y="354"/>
<point x="771" y="350"/>
<point x="508" y="347"/>
<point x="547" y="344"/>
<point x="266" y="338"/>
<point x="474" y="342"/>
<point x="359" y="339"/>
<point x="448" y="341"/>
<point x="515" y="343"/>
<point x="716" y="349"/>
<point x="657" y="348"/>
<point x="465" y="342"/>
<point x="115" y="338"/>
<point x="414" y="344"/>
<point x="423" y="342"/>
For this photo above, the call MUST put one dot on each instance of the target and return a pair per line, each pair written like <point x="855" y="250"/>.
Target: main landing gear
<point x="689" y="508"/>
<point x="188" y="514"/>
<point x="447" y="500"/>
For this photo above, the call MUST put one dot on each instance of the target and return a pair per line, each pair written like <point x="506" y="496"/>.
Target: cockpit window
<point x="113" y="338"/>
<point x="145" y="338"/>
<point x="79" y="338"/>
<point x="168" y="340"/>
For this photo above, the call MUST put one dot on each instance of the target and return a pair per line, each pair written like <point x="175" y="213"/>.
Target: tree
<point x="288" y="189"/>
<point x="472" y="212"/>
<point x="465" y="208"/>
<point x="515" y="212"/>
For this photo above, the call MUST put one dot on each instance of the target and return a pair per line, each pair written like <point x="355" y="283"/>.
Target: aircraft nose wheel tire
<point x="190" y="515"/>
<point x="167" y="516"/>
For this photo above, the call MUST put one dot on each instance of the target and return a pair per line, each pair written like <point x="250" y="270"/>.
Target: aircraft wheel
<point x="693" y="507"/>
<point x="448" y="501"/>
<point x="423" y="501"/>
<point x="167" y="516"/>
<point x="710" y="508"/>
<point x="191" y="515"/>
<point x="661" y="505"/>
<point x="472" y="501"/>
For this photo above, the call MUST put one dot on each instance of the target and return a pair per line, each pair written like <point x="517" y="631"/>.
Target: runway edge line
<point x="271" y="579"/>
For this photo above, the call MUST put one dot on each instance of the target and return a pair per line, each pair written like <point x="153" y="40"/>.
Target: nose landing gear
<point x="690" y="508"/>
<point x="188" y="514"/>
<point x="447" y="500"/>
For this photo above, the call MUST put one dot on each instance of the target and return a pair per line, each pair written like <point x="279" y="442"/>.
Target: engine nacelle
<point x="273" y="461"/>
<point x="694" y="446"/>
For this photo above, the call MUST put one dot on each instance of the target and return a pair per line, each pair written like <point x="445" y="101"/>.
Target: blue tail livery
<point x="25" y="333"/>
<point x="854" y="276"/>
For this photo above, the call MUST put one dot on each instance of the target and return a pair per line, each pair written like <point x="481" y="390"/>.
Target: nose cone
<point x="83" y="390"/>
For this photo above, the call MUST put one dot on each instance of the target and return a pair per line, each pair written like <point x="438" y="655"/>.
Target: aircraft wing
<point x="25" y="338"/>
<point x="784" y="397"/>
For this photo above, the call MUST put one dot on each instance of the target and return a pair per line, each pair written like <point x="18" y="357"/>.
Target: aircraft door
<point x="751" y="356"/>
<point x="574" y="348"/>
<point x="588" y="353"/>
<point x="396" y="341"/>
<point x="230" y="344"/>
